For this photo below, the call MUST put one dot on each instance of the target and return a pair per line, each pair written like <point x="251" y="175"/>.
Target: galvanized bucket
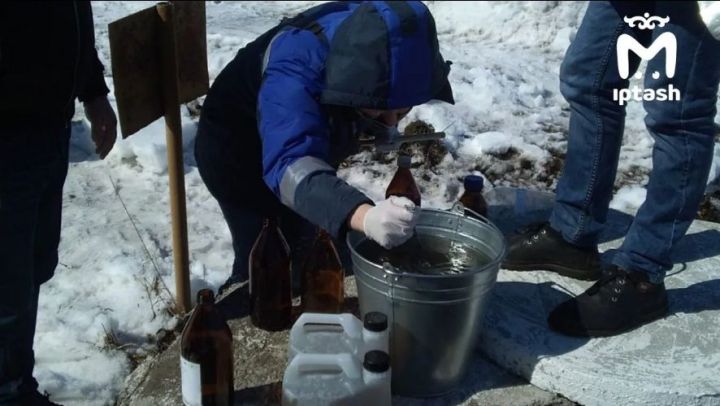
<point x="434" y="319"/>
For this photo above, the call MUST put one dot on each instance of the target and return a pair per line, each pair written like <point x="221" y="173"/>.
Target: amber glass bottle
<point x="322" y="277"/>
<point x="270" y="280"/>
<point x="473" y="197"/>
<point x="206" y="360"/>
<point x="403" y="184"/>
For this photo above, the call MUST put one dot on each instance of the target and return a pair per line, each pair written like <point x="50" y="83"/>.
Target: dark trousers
<point x="245" y="200"/>
<point x="33" y="166"/>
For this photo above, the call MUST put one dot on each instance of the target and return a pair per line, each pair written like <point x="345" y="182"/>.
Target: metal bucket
<point x="434" y="319"/>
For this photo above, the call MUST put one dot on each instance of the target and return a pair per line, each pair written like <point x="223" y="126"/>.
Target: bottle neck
<point x="205" y="297"/>
<point x="270" y="222"/>
<point x="404" y="161"/>
<point x="473" y="192"/>
<point x="323" y="235"/>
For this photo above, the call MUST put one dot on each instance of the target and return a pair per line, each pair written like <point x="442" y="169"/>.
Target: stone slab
<point x="261" y="358"/>
<point x="673" y="361"/>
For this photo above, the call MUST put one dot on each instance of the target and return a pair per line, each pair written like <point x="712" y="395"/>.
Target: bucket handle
<point x="459" y="208"/>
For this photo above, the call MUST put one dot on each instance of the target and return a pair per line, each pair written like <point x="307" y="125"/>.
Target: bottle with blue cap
<point x="473" y="198"/>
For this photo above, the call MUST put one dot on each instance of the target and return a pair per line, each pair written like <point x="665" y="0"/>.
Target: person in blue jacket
<point x="284" y="113"/>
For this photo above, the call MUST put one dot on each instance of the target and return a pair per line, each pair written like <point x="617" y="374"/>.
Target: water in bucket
<point x="430" y="255"/>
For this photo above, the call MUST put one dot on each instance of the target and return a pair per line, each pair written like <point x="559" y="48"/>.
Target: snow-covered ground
<point x="111" y="293"/>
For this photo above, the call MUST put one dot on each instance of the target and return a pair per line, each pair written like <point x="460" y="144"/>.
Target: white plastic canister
<point x="337" y="379"/>
<point x="322" y="333"/>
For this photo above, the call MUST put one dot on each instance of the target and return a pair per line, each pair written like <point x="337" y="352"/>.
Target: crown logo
<point x="645" y="22"/>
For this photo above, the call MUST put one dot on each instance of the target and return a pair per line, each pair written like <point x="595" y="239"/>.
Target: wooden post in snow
<point x="159" y="61"/>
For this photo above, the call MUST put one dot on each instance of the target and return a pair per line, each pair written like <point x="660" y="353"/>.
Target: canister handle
<point x="344" y="320"/>
<point x="312" y="364"/>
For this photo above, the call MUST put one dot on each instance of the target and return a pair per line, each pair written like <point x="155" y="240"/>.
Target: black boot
<point x="230" y="283"/>
<point x="544" y="249"/>
<point x="35" y="398"/>
<point x="29" y="395"/>
<point x="620" y="301"/>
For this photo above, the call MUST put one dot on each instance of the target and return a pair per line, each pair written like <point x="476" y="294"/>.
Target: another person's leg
<point x="588" y="76"/>
<point x="31" y="164"/>
<point x="683" y="132"/>
<point x="47" y="233"/>
<point x="633" y="292"/>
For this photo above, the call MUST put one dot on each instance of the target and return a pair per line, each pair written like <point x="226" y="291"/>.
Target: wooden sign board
<point x="137" y="65"/>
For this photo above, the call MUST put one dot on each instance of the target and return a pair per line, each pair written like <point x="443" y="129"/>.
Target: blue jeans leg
<point x="588" y="76"/>
<point x="683" y="131"/>
<point x="33" y="166"/>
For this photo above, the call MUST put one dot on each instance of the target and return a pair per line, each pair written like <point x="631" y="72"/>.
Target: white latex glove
<point x="391" y="222"/>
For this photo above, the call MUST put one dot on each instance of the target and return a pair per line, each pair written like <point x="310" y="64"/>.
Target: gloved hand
<point x="391" y="222"/>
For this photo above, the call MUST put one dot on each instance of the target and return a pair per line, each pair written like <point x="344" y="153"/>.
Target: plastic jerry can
<point x="323" y="333"/>
<point x="338" y="379"/>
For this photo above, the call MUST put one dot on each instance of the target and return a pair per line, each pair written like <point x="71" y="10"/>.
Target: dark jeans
<point x="33" y="166"/>
<point x="245" y="202"/>
<point x="683" y="130"/>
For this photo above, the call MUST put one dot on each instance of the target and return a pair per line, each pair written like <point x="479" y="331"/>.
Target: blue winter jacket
<point x="381" y="55"/>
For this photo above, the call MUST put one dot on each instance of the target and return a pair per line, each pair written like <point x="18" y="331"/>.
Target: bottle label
<point x="191" y="386"/>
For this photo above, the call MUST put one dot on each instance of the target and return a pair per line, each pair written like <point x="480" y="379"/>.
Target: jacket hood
<point x="385" y="55"/>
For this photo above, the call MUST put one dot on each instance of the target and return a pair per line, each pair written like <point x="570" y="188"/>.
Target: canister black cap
<point x="375" y="321"/>
<point x="376" y="361"/>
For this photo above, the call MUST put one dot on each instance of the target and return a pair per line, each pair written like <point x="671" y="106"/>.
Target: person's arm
<point x="92" y="85"/>
<point x="357" y="218"/>
<point x="93" y="91"/>
<point x="295" y="135"/>
<point x="295" y="143"/>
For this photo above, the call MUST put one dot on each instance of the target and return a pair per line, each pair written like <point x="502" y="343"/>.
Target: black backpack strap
<point x="307" y="20"/>
<point x="317" y="29"/>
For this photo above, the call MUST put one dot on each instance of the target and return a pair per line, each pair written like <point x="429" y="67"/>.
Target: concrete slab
<point x="261" y="358"/>
<point x="673" y="361"/>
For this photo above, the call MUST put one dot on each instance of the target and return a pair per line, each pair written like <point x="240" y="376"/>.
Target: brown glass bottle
<point x="322" y="277"/>
<point x="206" y="360"/>
<point x="270" y="280"/>
<point x="403" y="184"/>
<point x="473" y="197"/>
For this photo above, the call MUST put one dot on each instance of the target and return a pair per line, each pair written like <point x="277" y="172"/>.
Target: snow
<point x="111" y="294"/>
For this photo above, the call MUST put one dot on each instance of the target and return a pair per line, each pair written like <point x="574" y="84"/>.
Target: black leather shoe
<point x="35" y="398"/>
<point x="544" y="249"/>
<point x="620" y="301"/>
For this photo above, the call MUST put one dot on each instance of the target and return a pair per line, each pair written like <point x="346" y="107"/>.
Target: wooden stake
<point x="176" y="167"/>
